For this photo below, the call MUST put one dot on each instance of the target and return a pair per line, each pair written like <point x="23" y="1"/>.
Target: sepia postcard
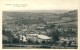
<point x="39" y="24"/>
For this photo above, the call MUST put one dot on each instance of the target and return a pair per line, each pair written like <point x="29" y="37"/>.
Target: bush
<point x="15" y="40"/>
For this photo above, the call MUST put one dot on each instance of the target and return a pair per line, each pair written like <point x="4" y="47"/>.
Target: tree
<point x="55" y="35"/>
<point x="50" y="26"/>
<point x="15" y="40"/>
<point x="8" y="34"/>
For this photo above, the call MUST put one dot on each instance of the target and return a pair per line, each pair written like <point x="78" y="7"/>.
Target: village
<point x="39" y="32"/>
<point x="36" y="34"/>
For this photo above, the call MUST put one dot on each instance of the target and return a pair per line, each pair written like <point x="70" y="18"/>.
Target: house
<point x="68" y="41"/>
<point x="43" y="38"/>
<point x="32" y="37"/>
<point x="35" y="37"/>
<point x="23" y="38"/>
<point x="38" y="37"/>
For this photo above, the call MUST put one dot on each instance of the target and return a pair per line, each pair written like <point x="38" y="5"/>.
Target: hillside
<point x="64" y="19"/>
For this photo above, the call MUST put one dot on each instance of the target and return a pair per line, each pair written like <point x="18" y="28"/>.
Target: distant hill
<point x="34" y="17"/>
<point x="72" y="15"/>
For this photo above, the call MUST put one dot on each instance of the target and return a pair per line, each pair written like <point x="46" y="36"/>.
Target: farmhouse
<point x="35" y="37"/>
<point x="43" y="38"/>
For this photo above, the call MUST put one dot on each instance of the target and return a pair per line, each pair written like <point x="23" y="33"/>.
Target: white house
<point x="23" y="38"/>
<point x="35" y="37"/>
<point x="43" y="38"/>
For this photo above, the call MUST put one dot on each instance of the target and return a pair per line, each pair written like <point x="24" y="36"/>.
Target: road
<point x="22" y="46"/>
